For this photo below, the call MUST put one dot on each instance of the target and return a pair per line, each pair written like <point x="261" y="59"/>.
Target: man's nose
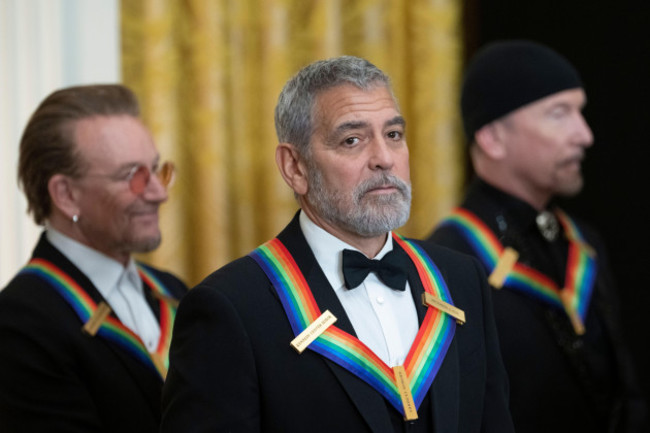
<point x="583" y="134"/>
<point x="382" y="156"/>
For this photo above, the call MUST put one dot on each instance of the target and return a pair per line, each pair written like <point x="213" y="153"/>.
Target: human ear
<point x="489" y="139"/>
<point x="292" y="167"/>
<point x="63" y="195"/>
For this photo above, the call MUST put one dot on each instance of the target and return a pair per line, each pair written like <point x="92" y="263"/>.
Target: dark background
<point x="609" y="43"/>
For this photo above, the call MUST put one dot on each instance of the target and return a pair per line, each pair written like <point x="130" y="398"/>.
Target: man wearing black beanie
<point x="554" y="299"/>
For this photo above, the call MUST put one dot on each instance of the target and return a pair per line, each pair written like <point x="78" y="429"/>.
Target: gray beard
<point x="365" y="215"/>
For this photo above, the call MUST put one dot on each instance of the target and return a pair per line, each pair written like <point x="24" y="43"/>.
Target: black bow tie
<point x="391" y="269"/>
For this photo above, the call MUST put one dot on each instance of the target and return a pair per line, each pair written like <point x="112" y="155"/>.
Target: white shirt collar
<point x="103" y="271"/>
<point x="328" y="249"/>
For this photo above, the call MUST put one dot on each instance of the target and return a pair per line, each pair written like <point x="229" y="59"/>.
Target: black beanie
<point x="507" y="75"/>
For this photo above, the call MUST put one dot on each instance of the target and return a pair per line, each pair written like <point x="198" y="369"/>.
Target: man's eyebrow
<point x="346" y="126"/>
<point x="397" y="120"/>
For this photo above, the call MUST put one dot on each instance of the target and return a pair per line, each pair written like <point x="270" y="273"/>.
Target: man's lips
<point x="153" y="213"/>
<point x="383" y="189"/>
<point x="573" y="162"/>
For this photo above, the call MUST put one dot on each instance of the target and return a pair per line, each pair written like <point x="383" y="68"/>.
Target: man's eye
<point x="559" y="112"/>
<point x="395" y="135"/>
<point x="127" y="175"/>
<point x="351" y="141"/>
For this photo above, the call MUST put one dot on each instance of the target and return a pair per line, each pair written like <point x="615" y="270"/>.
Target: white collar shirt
<point x="120" y="286"/>
<point x="384" y="319"/>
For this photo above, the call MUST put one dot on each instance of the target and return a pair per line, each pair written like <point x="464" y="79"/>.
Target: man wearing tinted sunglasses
<point x="84" y="328"/>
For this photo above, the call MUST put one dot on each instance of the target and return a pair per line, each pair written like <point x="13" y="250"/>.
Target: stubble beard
<point x="142" y="238"/>
<point x="571" y="186"/>
<point x="143" y="245"/>
<point x="570" y="189"/>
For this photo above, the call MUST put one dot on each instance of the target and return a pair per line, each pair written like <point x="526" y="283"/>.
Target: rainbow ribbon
<point x="111" y="328"/>
<point x="580" y="269"/>
<point x="427" y="351"/>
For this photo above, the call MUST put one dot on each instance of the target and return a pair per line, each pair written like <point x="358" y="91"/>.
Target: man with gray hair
<point x="339" y="324"/>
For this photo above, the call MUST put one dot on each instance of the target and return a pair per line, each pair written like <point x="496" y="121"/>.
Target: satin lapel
<point x="367" y="400"/>
<point x="443" y="395"/>
<point x="416" y="288"/>
<point x="295" y="242"/>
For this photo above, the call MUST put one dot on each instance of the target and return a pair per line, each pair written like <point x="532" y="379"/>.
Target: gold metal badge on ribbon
<point x="316" y="328"/>
<point x="95" y="321"/>
<point x="431" y="301"/>
<point x="402" y="381"/>
<point x="505" y="264"/>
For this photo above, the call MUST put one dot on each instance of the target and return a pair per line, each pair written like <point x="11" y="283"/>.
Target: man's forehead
<point x="347" y="104"/>
<point x="92" y="130"/>
<point x="111" y="141"/>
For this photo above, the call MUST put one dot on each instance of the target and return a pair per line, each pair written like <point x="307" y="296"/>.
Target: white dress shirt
<point x="120" y="286"/>
<point x="384" y="319"/>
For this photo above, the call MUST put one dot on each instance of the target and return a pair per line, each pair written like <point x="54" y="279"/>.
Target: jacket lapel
<point x="416" y="288"/>
<point x="47" y="251"/>
<point x="367" y="400"/>
<point x="444" y="392"/>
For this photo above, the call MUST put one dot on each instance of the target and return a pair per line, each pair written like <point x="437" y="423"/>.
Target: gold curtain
<point x="208" y="73"/>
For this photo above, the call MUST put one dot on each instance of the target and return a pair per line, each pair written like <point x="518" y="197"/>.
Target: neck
<point x="537" y="199"/>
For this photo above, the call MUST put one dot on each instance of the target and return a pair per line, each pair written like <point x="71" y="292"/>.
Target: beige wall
<point x="44" y="45"/>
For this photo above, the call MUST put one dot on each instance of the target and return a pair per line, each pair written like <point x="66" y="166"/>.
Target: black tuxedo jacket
<point x="54" y="377"/>
<point x="232" y="369"/>
<point x="559" y="381"/>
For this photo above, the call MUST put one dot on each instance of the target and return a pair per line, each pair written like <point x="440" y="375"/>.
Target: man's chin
<point x="379" y="218"/>
<point x="570" y="189"/>
<point x="145" y="244"/>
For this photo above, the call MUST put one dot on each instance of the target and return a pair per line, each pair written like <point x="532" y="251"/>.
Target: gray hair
<point x="293" y="112"/>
